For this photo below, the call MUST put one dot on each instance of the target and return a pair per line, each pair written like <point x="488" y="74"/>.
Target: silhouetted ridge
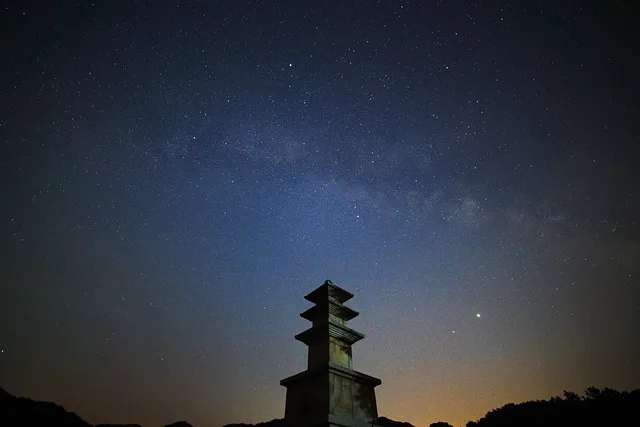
<point x="178" y="424"/>
<point x="277" y="422"/>
<point x="4" y="394"/>
<point x="24" y="412"/>
<point x="118" y="425"/>
<point x="281" y="422"/>
<point x="597" y="408"/>
<point x="386" y="422"/>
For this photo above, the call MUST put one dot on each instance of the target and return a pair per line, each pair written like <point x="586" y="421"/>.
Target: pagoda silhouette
<point x="330" y="392"/>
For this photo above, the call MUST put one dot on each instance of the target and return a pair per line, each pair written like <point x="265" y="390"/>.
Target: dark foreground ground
<point x="597" y="407"/>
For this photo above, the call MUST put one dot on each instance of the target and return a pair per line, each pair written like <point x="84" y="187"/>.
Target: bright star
<point x="478" y="315"/>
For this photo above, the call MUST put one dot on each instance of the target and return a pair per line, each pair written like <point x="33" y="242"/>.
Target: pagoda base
<point x="331" y="396"/>
<point x="333" y="421"/>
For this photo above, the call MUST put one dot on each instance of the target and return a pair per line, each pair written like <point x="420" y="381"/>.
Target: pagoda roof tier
<point x="334" y="369"/>
<point x="318" y="332"/>
<point x="326" y="291"/>
<point x="322" y="310"/>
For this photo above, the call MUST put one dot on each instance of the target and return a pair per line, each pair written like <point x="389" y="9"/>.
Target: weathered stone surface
<point x="330" y="392"/>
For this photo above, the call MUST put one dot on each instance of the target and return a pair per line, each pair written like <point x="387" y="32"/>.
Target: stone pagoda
<point x="330" y="392"/>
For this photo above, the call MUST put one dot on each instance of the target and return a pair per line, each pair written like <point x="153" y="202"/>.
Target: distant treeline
<point x="279" y="422"/>
<point x="598" y="407"/>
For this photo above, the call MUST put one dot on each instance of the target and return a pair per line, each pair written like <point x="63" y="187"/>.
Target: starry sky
<point x="177" y="175"/>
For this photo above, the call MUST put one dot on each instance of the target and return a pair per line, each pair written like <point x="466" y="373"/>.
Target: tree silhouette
<point x="597" y="408"/>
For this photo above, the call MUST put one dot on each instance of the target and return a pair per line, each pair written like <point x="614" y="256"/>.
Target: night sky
<point x="177" y="176"/>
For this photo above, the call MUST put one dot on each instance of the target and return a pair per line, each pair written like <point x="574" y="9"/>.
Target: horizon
<point x="178" y="177"/>
<point x="590" y="394"/>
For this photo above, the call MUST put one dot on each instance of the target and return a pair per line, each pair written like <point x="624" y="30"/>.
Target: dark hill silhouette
<point x="118" y="425"/>
<point x="277" y="422"/>
<point x="280" y="422"/>
<point x="4" y="394"/>
<point x="597" y="408"/>
<point x="178" y="424"/>
<point x="23" y="412"/>
<point x="386" y="422"/>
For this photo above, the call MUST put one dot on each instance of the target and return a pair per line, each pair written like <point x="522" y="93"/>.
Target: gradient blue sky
<point x="178" y="175"/>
